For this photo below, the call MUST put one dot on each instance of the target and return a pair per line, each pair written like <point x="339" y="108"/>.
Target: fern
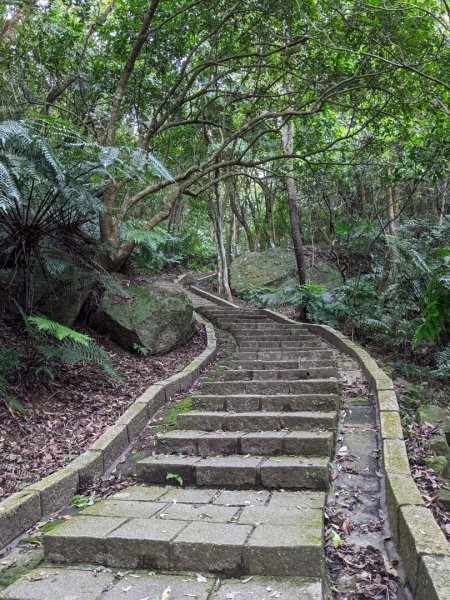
<point x="60" y="332"/>
<point x="73" y="353"/>
<point x="443" y="363"/>
<point x="435" y="301"/>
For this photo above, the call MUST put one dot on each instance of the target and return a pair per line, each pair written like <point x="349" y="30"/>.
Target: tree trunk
<point x="288" y="147"/>
<point x="391" y="209"/>
<point x="238" y="211"/>
<point x="217" y="217"/>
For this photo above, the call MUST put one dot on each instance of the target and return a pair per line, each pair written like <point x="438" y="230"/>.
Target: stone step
<point x="282" y="344"/>
<point x="285" y="374"/>
<point x="274" y="326"/>
<point x="266" y="443"/>
<point x="235" y="312"/>
<point x="286" y="472"/>
<point x="263" y="326"/>
<point x="256" y="421"/>
<point x="300" y="386"/>
<point x="284" y="403"/>
<point x="255" y="336"/>
<point x="91" y="583"/>
<point x="241" y="319"/>
<point x="278" y="364"/>
<point x="289" y="354"/>
<point x="232" y="533"/>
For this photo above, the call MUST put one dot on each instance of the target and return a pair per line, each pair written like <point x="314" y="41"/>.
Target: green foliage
<point x="321" y="306"/>
<point x="60" y="332"/>
<point x="257" y="296"/>
<point x="175" y="477"/>
<point x="49" y="343"/>
<point x="141" y="349"/>
<point x="436" y="301"/>
<point x="82" y="501"/>
<point x="443" y="364"/>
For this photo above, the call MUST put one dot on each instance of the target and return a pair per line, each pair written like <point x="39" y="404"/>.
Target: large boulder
<point x="274" y="268"/>
<point x="59" y="292"/>
<point x="62" y="298"/>
<point x="434" y="415"/>
<point x="145" y="316"/>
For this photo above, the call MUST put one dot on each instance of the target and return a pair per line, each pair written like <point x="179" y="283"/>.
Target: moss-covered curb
<point x="420" y="541"/>
<point x="22" y="510"/>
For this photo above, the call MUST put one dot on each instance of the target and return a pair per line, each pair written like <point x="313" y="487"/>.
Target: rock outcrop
<point x="274" y="268"/>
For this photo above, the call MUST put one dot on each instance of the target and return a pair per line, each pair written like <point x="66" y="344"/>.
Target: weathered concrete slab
<point x="82" y="539"/>
<point x="210" y="444"/>
<point x="211" y="546"/>
<point x="400" y="491"/>
<point x="209" y="513"/>
<point x="142" y="543"/>
<point x="17" y="513"/>
<point x="265" y="588"/>
<point x="153" y="587"/>
<point x="121" y="508"/>
<point x="433" y="578"/>
<point x="141" y="493"/>
<point x="52" y="583"/>
<point x="419" y="534"/>
<point x="281" y="550"/>
<point x="295" y="472"/>
<point x="231" y="470"/>
<point x="155" y="469"/>
<point x="242" y="497"/>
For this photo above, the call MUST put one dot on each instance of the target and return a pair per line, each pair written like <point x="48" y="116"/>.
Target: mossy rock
<point x="435" y="416"/>
<point x="439" y="464"/>
<point x="444" y="498"/>
<point x="148" y="317"/>
<point x="438" y="444"/>
<point x="274" y="268"/>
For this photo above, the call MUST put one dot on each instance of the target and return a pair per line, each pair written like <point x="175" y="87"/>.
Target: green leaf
<point x="336" y="539"/>
<point x="82" y="501"/>
<point x="60" y="332"/>
<point x="177" y="478"/>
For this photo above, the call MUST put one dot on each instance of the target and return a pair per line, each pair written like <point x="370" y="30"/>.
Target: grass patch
<point x="169" y="420"/>
<point x="12" y="574"/>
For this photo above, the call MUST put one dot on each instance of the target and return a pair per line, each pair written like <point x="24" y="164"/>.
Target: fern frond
<point x="72" y="353"/>
<point x="60" y="332"/>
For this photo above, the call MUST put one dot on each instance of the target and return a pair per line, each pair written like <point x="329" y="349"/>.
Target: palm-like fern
<point x="39" y="201"/>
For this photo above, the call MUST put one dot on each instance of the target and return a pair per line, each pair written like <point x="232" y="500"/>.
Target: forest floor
<point x="66" y="414"/>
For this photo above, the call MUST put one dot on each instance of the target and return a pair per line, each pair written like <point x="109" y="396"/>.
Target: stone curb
<point x="417" y="535"/>
<point x="420" y="541"/>
<point x="208" y="296"/>
<point x="23" y="509"/>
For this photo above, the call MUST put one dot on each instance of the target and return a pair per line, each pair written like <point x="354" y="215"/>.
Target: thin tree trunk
<point x="390" y="199"/>
<point x="217" y="213"/>
<point x="239" y="213"/>
<point x="288" y="147"/>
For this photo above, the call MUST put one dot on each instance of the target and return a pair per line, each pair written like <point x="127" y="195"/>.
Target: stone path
<point x="253" y="458"/>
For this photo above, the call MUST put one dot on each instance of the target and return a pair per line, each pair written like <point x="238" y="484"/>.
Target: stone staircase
<point x="253" y="457"/>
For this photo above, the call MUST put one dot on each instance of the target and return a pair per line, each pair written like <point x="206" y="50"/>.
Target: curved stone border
<point x="23" y="509"/>
<point x="422" y="546"/>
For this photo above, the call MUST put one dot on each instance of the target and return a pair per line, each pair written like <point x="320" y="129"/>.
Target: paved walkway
<point x="253" y="459"/>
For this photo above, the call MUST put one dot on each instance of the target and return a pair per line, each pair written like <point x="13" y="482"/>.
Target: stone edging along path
<point x="23" y="509"/>
<point x="421" y="544"/>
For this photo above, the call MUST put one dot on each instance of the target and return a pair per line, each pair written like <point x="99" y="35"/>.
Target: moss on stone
<point x="439" y="464"/>
<point x="11" y="574"/>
